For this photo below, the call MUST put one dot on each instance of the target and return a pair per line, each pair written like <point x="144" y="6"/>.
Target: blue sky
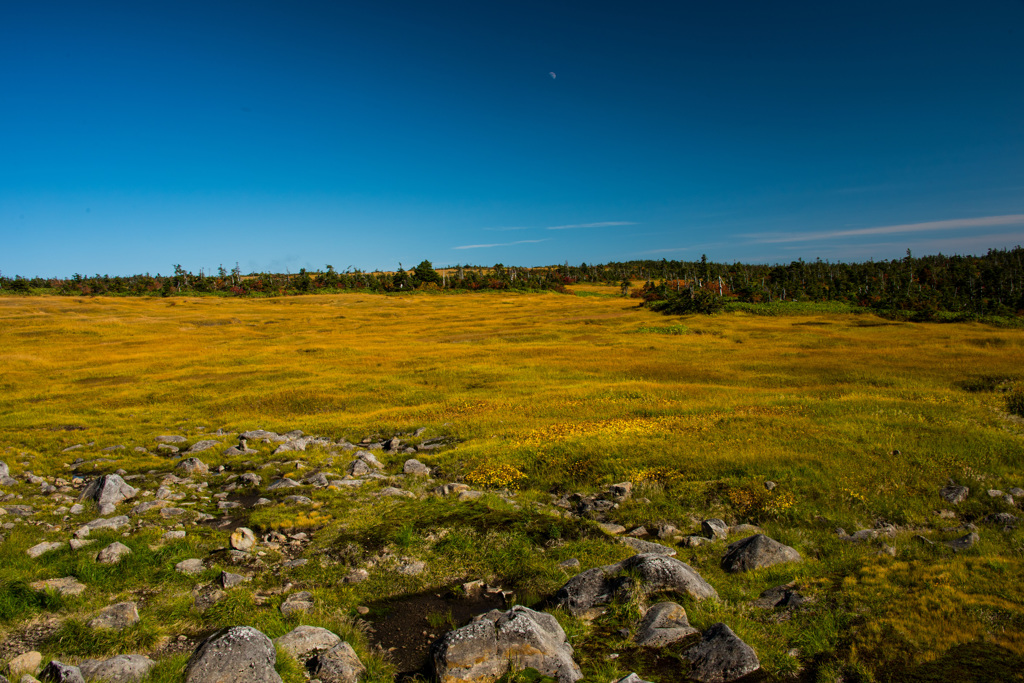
<point x="138" y="135"/>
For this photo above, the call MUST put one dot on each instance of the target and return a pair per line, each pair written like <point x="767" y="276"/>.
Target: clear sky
<point x="282" y="135"/>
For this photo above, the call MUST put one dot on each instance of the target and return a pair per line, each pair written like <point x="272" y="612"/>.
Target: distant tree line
<point x="992" y="284"/>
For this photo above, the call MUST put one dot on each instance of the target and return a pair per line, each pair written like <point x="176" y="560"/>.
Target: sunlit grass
<point x="857" y="419"/>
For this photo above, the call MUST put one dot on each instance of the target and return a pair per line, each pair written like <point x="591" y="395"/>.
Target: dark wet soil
<point x="406" y="626"/>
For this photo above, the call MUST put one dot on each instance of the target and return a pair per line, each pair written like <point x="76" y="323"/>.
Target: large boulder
<point x="237" y="653"/>
<point x="108" y="491"/>
<point x="652" y="573"/>
<point x="119" y="669"/>
<point x="520" y="638"/>
<point x="721" y="656"/>
<point x="664" y="624"/>
<point x="113" y="553"/>
<point x="755" y="552"/>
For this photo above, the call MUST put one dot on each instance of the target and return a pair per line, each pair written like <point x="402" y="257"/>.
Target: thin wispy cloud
<point x="605" y="224"/>
<point x="955" y="224"/>
<point x="503" y="244"/>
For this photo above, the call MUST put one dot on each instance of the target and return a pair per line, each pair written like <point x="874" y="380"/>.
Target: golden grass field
<point x="860" y="420"/>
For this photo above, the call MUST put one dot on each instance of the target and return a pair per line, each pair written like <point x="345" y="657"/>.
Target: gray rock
<point x="642" y="546"/>
<point x="654" y="573"/>
<point x="119" y="669"/>
<point x="298" y="500"/>
<point x="1017" y="492"/>
<point x="714" y="529"/>
<point x="243" y="539"/>
<point x="108" y="491"/>
<point x="721" y="656"/>
<point x="303" y="640"/>
<point x="395" y="492"/>
<point x="117" y="616"/>
<point x="238" y="653"/>
<point x="755" y="552"/>
<point x="954" y="494"/>
<point x="414" y="467"/>
<point x="631" y="678"/>
<point x="317" y="480"/>
<point x="100" y="523"/>
<point x="192" y="466"/>
<point x="964" y="542"/>
<point x="67" y="585"/>
<point x="20" y="510"/>
<point x="296" y="603"/>
<point x="5" y="475"/>
<point x="611" y="528"/>
<point x="250" y="479"/>
<point x="520" y="637"/>
<point x="59" y="672"/>
<point x="622" y="490"/>
<point x="664" y="624"/>
<point x="230" y="580"/>
<point x="113" y="553"/>
<point x="175" y="535"/>
<point x="785" y="595"/>
<point x="284" y="483"/>
<point x="44" y="547"/>
<point x="769" y="484"/>
<point x="171" y="438"/>
<point x="571" y="563"/>
<point x="204" y="445"/>
<point x="260" y="434"/>
<point x="1004" y="519"/>
<point x="356" y="576"/>
<point x="338" y="665"/>
<point x="206" y="597"/>
<point x="190" y="566"/>
<point x="413" y="568"/>
<point x="694" y="541"/>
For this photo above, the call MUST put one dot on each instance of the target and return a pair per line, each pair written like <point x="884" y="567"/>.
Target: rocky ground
<point x="217" y="526"/>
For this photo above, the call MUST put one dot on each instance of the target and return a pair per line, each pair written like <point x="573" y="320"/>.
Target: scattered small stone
<point x="755" y="552"/>
<point x="175" y="535"/>
<point x="954" y="494"/>
<point x="230" y="580"/>
<point x="193" y="466"/>
<point x="642" y="546"/>
<point x="297" y="602"/>
<point x="67" y="586"/>
<point x="243" y="539"/>
<point x="714" y="529"/>
<point x="356" y="576"/>
<point x="414" y="467"/>
<point x="113" y="553"/>
<point x="25" y="663"/>
<point x="414" y="568"/>
<point x="116" y="617"/>
<point x="171" y="438"/>
<point x="42" y="548"/>
<point x="304" y="640"/>
<point x="571" y="563"/>
<point x="190" y="566"/>
<point x="294" y="564"/>
<point x="119" y="669"/>
<point x="611" y="529"/>
<point x="664" y="624"/>
<point x="785" y="596"/>
<point x="964" y="542"/>
<point x="340" y="664"/>
<point x="59" y="672"/>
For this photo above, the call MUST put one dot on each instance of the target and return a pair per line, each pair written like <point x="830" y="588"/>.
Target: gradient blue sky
<point x="282" y="135"/>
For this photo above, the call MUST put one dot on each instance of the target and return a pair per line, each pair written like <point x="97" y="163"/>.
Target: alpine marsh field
<point x="859" y="422"/>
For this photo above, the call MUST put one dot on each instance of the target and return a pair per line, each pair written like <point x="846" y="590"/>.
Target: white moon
<point x="552" y="73"/>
